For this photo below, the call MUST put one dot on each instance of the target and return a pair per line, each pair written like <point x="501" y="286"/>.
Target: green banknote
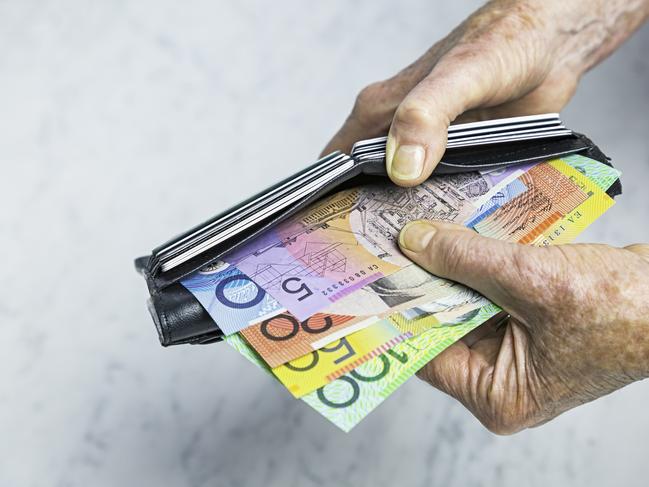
<point x="240" y="345"/>
<point x="601" y="174"/>
<point x="348" y="399"/>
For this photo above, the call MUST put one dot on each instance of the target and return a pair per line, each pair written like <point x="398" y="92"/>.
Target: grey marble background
<point x="121" y="123"/>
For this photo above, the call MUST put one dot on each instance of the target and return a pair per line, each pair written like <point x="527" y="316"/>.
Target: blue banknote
<point x="501" y="197"/>
<point x="231" y="298"/>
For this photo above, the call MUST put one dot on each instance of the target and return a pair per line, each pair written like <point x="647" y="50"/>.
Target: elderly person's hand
<point x="579" y="326"/>
<point x="511" y="57"/>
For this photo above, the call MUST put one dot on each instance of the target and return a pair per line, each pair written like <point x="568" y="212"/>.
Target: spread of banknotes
<point x="327" y="304"/>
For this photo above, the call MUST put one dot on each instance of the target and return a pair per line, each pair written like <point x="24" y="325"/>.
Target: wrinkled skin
<point x="579" y="325"/>
<point x="509" y="58"/>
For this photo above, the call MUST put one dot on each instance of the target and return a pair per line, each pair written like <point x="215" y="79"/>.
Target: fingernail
<point x="408" y="162"/>
<point x="416" y="235"/>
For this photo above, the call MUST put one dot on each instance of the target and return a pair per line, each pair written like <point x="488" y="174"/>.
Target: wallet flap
<point x="159" y="280"/>
<point x="488" y="156"/>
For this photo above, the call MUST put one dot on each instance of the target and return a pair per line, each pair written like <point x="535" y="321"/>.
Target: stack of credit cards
<point x="236" y="222"/>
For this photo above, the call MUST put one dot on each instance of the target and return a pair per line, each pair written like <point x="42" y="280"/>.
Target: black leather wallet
<point x="180" y="318"/>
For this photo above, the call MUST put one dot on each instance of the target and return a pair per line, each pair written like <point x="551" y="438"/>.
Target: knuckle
<point x="497" y="24"/>
<point x="507" y="47"/>
<point x="371" y="92"/>
<point x="414" y="113"/>
<point x="369" y="102"/>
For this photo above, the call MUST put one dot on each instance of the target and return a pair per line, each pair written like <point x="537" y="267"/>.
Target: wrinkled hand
<point x="579" y="326"/>
<point x="511" y="57"/>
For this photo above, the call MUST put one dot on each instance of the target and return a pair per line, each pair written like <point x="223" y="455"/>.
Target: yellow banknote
<point x="316" y="369"/>
<point x="566" y="229"/>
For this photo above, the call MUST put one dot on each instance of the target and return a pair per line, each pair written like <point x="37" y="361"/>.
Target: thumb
<point x="466" y="77"/>
<point x="418" y="134"/>
<point x="457" y="253"/>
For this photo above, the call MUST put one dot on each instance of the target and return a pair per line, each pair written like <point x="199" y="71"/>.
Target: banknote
<point x="401" y="290"/>
<point x="348" y="241"/>
<point x="307" y="373"/>
<point x="548" y="196"/>
<point x="322" y="365"/>
<point x="497" y="199"/>
<point x="231" y="298"/>
<point x="507" y="183"/>
<point x="548" y="218"/>
<point x="281" y="337"/>
<point x="601" y="174"/>
<point x="566" y="229"/>
<point x="348" y="399"/>
<point x="316" y="258"/>
<point x="234" y="301"/>
<point x="499" y="179"/>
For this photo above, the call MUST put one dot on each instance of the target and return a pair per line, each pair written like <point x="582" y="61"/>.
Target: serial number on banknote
<point x="343" y="283"/>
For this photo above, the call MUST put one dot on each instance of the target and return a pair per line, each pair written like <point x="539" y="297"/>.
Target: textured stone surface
<point x="124" y="122"/>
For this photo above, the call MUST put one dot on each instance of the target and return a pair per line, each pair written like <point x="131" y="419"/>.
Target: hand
<point x="579" y="326"/>
<point x="509" y="58"/>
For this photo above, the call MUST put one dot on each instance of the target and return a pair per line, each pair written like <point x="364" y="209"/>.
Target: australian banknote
<point x="593" y="178"/>
<point x="280" y="337"/>
<point x="235" y="301"/>
<point x="551" y="203"/>
<point x="349" y="398"/>
<point x="232" y="299"/>
<point x="358" y="223"/>
<point x="548" y="195"/>
<point x="602" y="175"/>
<point x="314" y="370"/>
<point x="541" y="185"/>
<point x="348" y="241"/>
